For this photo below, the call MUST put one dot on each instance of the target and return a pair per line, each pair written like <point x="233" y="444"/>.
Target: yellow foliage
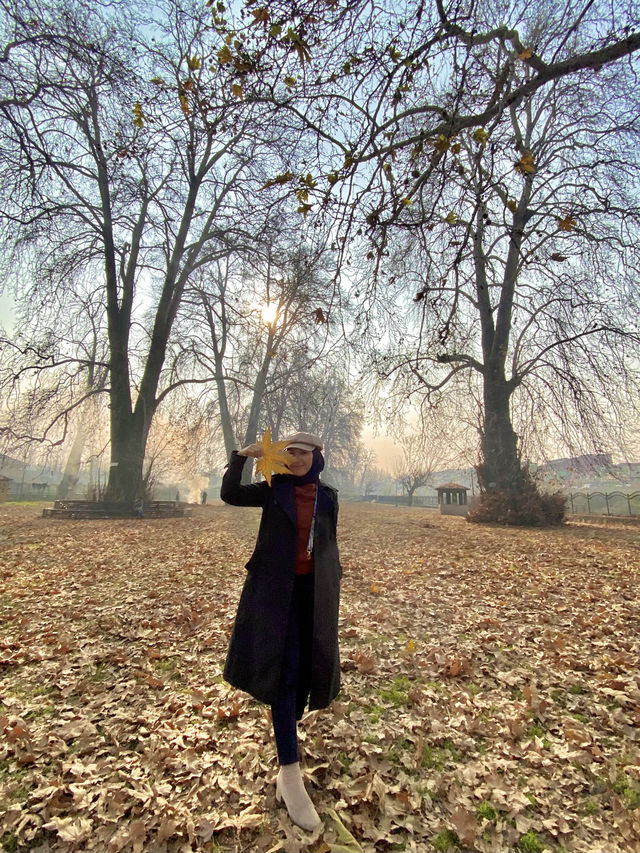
<point x="480" y="135"/>
<point x="138" y="115"/>
<point x="279" y="180"/>
<point x="260" y="16"/>
<point x="451" y="218"/>
<point x="237" y="90"/>
<point x="224" y="55"/>
<point x="525" y="164"/>
<point x="441" y="143"/>
<point x="273" y="460"/>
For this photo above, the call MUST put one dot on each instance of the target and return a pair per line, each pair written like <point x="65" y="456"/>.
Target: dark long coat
<point x="254" y="660"/>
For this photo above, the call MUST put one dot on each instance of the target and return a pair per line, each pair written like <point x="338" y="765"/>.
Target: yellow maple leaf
<point x="273" y="460"/>
<point x="480" y="135"/>
<point x="411" y="646"/>
<point x="451" y="218"/>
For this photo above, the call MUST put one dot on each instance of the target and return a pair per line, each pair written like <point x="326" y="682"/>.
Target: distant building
<point x="27" y="482"/>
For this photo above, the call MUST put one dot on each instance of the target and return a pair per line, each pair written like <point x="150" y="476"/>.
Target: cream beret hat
<point x="303" y="441"/>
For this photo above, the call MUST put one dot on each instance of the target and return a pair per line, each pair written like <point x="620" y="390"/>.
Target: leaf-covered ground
<point x="490" y="696"/>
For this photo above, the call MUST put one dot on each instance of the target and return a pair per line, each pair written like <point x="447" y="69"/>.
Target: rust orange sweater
<point x="305" y="499"/>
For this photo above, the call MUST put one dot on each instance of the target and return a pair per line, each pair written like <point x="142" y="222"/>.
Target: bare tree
<point x="133" y="156"/>
<point x="423" y="454"/>
<point x="469" y="149"/>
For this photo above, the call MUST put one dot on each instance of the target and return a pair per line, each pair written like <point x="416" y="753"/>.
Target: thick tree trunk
<point x="72" y="467"/>
<point x="500" y="469"/>
<point x="128" y="442"/>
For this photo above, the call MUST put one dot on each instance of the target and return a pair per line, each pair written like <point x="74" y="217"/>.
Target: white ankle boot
<point x="290" y="788"/>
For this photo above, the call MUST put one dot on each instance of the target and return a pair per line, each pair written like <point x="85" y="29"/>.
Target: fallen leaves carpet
<point x="490" y="701"/>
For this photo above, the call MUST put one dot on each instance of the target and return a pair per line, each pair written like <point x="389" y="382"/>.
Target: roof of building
<point x="452" y="486"/>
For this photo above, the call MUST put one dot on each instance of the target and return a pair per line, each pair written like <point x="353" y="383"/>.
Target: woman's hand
<point x="253" y="450"/>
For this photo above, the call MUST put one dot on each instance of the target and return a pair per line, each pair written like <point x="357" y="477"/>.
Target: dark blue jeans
<point x="295" y="678"/>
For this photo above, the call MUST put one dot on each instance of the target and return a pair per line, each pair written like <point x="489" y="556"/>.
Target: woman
<point x="284" y="645"/>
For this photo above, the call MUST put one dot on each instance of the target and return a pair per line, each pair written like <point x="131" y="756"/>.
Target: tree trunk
<point x="72" y="467"/>
<point x="128" y="443"/>
<point x="500" y="469"/>
<point x="259" y="387"/>
<point x="225" y="414"/>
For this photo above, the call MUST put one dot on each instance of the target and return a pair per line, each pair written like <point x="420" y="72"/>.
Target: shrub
<point x="526" y="508"/>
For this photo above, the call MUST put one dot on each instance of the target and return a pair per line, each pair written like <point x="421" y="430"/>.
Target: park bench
<point x="115" y="509"/>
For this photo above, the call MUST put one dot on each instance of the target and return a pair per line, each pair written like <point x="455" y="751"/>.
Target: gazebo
<point x="452" y="498"/>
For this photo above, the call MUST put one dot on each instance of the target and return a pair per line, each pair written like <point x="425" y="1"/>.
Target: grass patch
<point x="445" y="841"/>
<point x="344" y="760"/>
<point x="398" y="747"/>
<point x="486" y="810"/>
<point x="9" y="842"/>
<point x="629" y="789"/>
<point x="397" y="693"/>
<point x="100" y="674"/>
<point x="579" y="717"/>
<point x="436" y="757"/>
<point x="590" y="807"/>
<point x="374" y="712"/>
<point x="39" y="713"/>
<point x="530" y="843"/>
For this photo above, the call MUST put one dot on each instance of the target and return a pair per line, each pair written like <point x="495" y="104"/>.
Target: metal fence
<point x="403" y="500"/>
<point x="625" y="504"/>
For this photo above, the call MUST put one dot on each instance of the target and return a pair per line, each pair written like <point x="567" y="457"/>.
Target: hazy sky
<point x="6" y="314"/>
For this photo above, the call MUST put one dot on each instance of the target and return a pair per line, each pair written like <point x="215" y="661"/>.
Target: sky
<point x="6" y="313"/>
<point x="386" y="450"/>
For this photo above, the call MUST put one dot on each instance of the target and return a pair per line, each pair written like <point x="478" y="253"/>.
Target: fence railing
<point x="403" y="500"/>
<point x="604" y="503"/>
<point x="625" y="504"/>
